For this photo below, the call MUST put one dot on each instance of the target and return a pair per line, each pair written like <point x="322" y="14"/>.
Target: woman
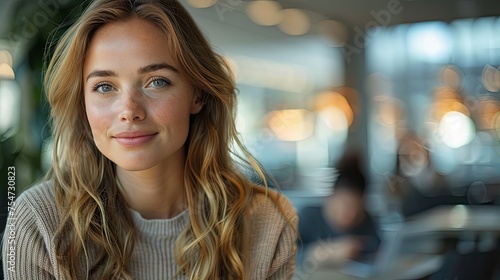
<point x="143" y="183"/>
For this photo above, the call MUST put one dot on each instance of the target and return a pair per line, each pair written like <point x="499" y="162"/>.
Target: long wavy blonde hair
<point x="92" y="208"/>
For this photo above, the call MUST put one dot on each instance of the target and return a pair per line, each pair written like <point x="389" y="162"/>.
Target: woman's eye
<point x="159" y="82"/>
<point x="103" y="88"/>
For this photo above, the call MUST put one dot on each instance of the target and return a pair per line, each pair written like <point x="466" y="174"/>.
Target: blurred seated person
<point x="341" y="229"/>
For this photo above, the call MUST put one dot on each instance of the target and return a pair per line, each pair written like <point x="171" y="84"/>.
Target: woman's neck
<point x="156" y="193"/>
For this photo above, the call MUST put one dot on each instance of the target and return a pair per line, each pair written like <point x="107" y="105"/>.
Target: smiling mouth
<point x="134" y="138"/>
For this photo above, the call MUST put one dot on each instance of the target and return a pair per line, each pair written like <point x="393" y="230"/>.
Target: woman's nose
<point x="132" y="106"/>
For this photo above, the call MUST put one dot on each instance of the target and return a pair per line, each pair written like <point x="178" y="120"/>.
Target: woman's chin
<point x="134" y="165"/>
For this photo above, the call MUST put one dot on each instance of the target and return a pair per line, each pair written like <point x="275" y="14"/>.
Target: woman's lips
<point x="134" y="138"/>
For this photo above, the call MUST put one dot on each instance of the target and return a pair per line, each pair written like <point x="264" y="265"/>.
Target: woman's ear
<point x="197" y="103"/>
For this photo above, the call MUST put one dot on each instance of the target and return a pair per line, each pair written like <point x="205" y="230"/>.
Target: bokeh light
<point x="291" y="124"/>
<point x="6" y="72"/>
<point x="490" y="78"/>
<point x="413" y="157"/>
<point x="456" y="129"/>
<point x="334" y="109"/>
<point x="5" y="57"/>
<point x="202" y="3"/>
<point x="452" y="77"/>
<point x="446" y="100"/>
<point x="485" y="110"/>
<point x="333" y="30"/>
<point x="389" y="111"/>
<point x="265" y="12"/>
<point x="430" y="41"/>
<point x="334" y="119"/>
<point x="295" y="22"/>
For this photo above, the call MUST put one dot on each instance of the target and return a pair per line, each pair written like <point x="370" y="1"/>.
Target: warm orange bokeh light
<point x="291" y="124"/>
<point x="446" y="100"/>
<point x="333" y="100"/>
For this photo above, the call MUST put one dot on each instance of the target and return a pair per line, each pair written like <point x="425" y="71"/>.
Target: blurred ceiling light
<point x="5" y="57"/>
<point x="491" y="78"/>
<point x="264" y="12"/>
<point x="456" y="130"/>
<point x="331" y="99"/>
<point x="295" y="22"/>
<point x="452" y="77"/>
<point x="6" y="72"/>
<point x="430" y="41"/>
<point x="202" y="3"/>
<point x="333" y="30"/>
<point x="291" y="124"/>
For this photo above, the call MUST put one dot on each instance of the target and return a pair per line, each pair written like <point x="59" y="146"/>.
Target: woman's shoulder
<point x="273" y="206"/>
<point x="273" y="235"/>
<point x="41" y="193"/>
<point x="38" y="199"/>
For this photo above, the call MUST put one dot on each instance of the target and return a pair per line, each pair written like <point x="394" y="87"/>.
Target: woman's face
<point x="137" y="102"/>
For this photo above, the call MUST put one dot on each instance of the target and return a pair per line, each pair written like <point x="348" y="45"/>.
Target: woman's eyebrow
<point x="101" y="73"/>
<point x="155" y="67"/>
<point x="149" y="68"/>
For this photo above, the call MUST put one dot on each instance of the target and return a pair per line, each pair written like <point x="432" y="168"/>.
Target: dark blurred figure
<point x="341" y="229"/>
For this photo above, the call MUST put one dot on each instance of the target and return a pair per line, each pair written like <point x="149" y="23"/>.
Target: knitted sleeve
<point x="26" y="240"/>
<point x="283" y="263"/>
<point x="273" y="231"/>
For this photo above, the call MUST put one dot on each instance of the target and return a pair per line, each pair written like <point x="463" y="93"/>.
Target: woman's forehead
<point x="128" y="43"/>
